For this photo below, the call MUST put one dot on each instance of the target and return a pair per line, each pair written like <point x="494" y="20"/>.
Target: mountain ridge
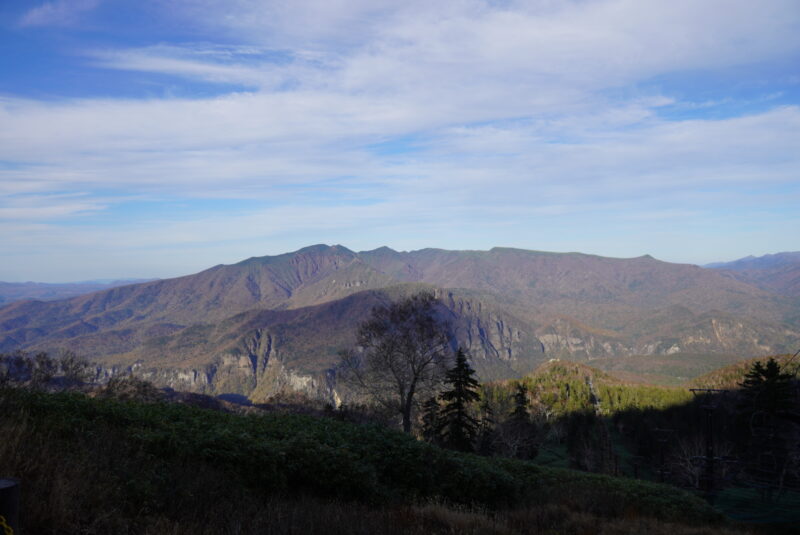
<point x="758" y="262"/>
<point x="46" y="291"/>
<point x="270" y="322"/>
<point x="779" y="272"/>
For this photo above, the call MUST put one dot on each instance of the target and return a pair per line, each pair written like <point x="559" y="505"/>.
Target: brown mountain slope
<point x="511" y="308"/>
<point x="261" y="352"/>
<point x="312" y="275"/>
<point x="778" y="273"/>
<point x="606" y="292"/>
<point x="783" y="280"/>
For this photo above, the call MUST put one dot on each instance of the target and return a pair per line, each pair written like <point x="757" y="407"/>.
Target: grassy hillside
<point x="105" y="466"/>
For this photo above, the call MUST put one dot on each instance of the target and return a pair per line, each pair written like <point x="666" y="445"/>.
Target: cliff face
<point x="297" y="350"/>
<point x="230" y="374"/>
<point x="266" y="361"/>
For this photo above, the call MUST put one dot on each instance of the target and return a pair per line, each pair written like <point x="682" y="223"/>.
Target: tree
<point x="43" y="369"/>
<point x="766" y="388"/>
<point x="431" y="427"/>
<point x="131" y="388"/>
<point x="520" y="412"/>
<point x="402" y="352"/>
<point x="486" y="432"/>
<point x="769" y="424"/>
<point x="76" y="370"/>
<point x="459" y="428"/>
<point x="516" y="437"/>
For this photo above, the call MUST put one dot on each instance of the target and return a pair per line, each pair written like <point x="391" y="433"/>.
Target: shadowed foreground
<point x="105" y="466"/>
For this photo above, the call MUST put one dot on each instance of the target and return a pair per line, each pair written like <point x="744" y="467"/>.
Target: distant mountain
<point x="778" y="272"/>
<point x="18" y="291"/>
<point x="769" y="261"/>
<point x="274" y="323"/>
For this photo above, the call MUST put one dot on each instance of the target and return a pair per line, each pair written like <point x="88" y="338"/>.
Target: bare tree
<point x="131" y="388"/>
<point x="43" y="369"/>
<point x="76" y="370"/>
<point x="686" y="460"/>
<point x="402" y="352"/>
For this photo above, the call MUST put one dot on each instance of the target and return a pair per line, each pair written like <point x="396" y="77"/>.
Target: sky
<point x="143" y="138"/>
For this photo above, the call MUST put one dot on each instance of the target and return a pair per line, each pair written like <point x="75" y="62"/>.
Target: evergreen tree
<point x="520" y="412"/>
<point x="459" y="428"/>
<point x="431" y="426"/>
<point x="486" y="432"/>
<point x="768" y="424"/>
<point x="766" y="388"/>
<point x="517" y="435"/>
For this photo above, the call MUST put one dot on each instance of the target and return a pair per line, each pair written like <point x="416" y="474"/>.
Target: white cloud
<point x="516" y="114"/>
<point x="57" y="13"/>
<point x="240" y="65"/>
<point x="46" y="207"/>
<point x="591" y="42"/>
<point x="200" y="152"/>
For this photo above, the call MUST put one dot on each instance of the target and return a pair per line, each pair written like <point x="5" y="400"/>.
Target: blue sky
<point x="153" y="139"/>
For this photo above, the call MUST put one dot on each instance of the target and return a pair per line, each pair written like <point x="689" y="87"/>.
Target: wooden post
<point x="9" y="504"/>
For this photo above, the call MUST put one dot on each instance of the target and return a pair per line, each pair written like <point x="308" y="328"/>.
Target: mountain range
<point x="43" y="291"/>
<point x="275" y="323"/>
<point x="778" y="272"/>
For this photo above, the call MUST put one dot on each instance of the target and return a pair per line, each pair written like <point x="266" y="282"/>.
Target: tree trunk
<point x="408" y="406"/>
<point x="407" y="419"/>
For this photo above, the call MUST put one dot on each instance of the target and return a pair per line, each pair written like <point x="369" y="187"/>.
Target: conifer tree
<point x="459" y="428"/>
<point x="431" y="426"/>
<point x="767" y="388"/>
<point x="768" y="420"/>
<point x="486" y="432"/>
<point x="520" y="412"/>
<point x="517" y="436"/>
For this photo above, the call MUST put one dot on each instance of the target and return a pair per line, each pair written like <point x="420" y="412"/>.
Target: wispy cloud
<point x="247" y="66"/>
<point x="58" y="12"/>
<point x="47" y="207"/>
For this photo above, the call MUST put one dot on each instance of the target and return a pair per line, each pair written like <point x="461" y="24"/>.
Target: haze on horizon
<point x="156" y="139"/>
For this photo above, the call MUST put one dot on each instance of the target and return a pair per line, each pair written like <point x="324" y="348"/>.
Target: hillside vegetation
<point x="561" y="387"/>
<point x="731" y="376"/>
<point x="106" y="466"/>
<point x="587" y="419"/>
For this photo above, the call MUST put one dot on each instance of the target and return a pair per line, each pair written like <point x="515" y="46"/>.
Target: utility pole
<point x="662" y="437"/>
<point x="710" y="400"/>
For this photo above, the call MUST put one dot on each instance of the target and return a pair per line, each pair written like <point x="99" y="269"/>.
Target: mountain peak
<point x="767" y="261"/>
<point x="320" y="249"/>
<point x="380" y="250"/>
<point x="323" y="248"/>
